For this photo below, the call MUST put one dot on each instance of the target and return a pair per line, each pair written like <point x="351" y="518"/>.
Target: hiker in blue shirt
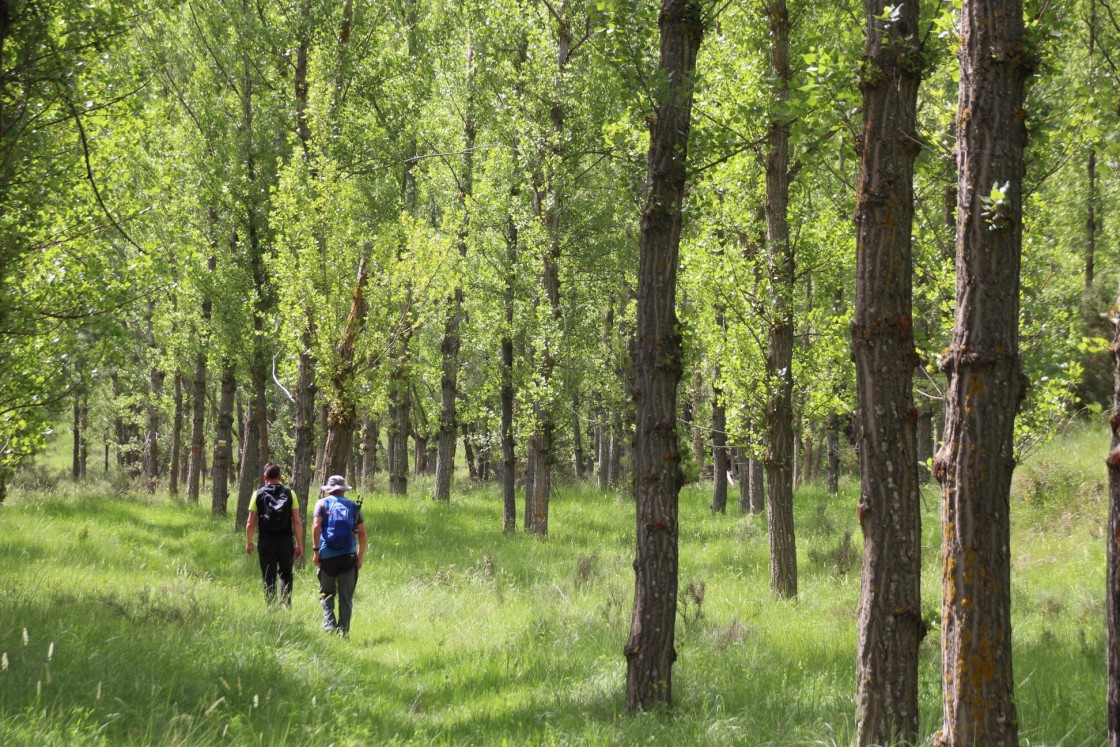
<point x="339" y="538"/>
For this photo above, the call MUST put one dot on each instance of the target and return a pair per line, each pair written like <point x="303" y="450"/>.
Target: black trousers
<point x="277" y="553"/>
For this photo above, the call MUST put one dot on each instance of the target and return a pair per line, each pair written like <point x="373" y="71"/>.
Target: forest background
<point x="356" y="238"/>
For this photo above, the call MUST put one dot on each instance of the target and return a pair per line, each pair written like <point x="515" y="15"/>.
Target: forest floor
<point x="129" y="619"/>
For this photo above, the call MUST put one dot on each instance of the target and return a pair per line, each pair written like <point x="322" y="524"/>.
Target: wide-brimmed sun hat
<point x="336" y="483"/>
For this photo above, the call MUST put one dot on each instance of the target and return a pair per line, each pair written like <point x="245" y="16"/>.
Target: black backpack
<point x="274" y="509"/>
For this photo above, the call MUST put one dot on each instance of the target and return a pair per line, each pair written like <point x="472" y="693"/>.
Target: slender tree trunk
<point x="254" y="450"/>
<point x="721" y="461"/>
<point x="76" y="465"/>
<point x="833" y="453"/>
<point x="198" y="392"/>
<point x="509" y="465"/>
<point x="890" y="620"/>
<point x="83" y="444"/>
<point x="254" y="444"/>
<point x="223" y="443"/>
<point x="617" y="444"/>
<point x="176" y="436"/>
<point x="449" y="382"/>
<point x="151" y="458"/>
<point x="577" y="437"/>
<point x="469" y="452"/>
<point x="986" y="385"/>
<point x="925" y="444"/>
<point x="650" y="650"/>
<point x="779" y="358"/>
<point x="303" y="416"/>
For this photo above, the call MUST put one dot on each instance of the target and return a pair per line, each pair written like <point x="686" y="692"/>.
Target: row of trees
<point x="355" y="236"/>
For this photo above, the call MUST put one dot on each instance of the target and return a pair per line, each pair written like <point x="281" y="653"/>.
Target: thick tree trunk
<point x="223" y="443"/>
<point x="890" y="619"/>
<point x="176" y="436"/>
<point x="650" y="650"/>
<point x="1112" y="585"/>
<point x="986" y="385"/>
<point x="342" y="416"/>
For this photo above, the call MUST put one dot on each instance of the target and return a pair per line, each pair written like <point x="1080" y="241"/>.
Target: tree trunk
<point x="577" y="437"/>
<point x="889" y="511"/>
<point x="368" y="453"/>
<point x="76" y="467"/>
<point x="303" y="417"/>
<point x="721" y="462"/>
<point x="779" y="358"/>
<point x="223" y="446"/>
<point x="925" y="444"/>
<point x="449" y="382"/>
<point x="342" y="416"/>
<point x="469" y="453"/>
<point x="83" y="443"/>
<point x="986" y="385"/>
<point x="757" y="477"/>
<point x="254" y="444"/>
<point x="833" y="453"/>
<point x="650" y="650"/>
<point x="198" y="394"/>
<point x="176" y="436"/>
<point x="155" y="392"/>
<point x="1112" y="585"/>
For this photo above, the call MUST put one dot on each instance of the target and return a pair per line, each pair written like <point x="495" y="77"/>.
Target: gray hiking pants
<point x="338" y="577"/>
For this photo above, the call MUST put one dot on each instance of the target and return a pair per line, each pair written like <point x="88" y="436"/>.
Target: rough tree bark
<point x="779" y="356"/>
<point x="890" y="622"/>
<point x="223" y="442"/>
<point x="650" y="650"/>
<point x="1112" y="586"/>
<point x="985" y="383"/>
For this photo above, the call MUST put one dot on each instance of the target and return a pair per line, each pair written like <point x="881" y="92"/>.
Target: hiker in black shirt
<point x="272" y="510"/>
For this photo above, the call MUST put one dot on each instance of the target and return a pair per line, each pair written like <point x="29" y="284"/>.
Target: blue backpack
<point x="338" y="530"/>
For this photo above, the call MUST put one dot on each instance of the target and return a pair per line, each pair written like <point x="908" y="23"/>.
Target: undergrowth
<point x="135" y="619"/>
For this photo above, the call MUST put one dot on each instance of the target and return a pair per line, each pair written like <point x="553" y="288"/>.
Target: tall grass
<point x="126" y="619"/>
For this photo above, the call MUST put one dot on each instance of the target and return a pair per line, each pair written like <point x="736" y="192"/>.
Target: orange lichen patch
<point x="1114" y="458"/>
<point x="975" y="386"/>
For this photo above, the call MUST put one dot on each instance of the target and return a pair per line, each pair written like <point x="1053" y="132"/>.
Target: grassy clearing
<point x="129" y="620"/>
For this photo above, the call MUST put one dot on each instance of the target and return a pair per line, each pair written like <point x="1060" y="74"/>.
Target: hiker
<point x="280" y="541"/>
<point x="339" y="538"/>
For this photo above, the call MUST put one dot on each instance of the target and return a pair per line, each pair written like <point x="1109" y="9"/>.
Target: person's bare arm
<point x="250" y="527"/>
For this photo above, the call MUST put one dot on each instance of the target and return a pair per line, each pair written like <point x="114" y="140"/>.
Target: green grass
<point x="126" y="619"/>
